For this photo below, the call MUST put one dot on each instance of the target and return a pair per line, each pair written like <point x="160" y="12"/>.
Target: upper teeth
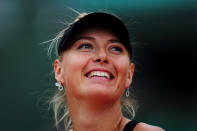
<point x="99" y="73"/>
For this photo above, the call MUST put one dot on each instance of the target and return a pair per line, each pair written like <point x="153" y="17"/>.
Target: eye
<point x="85" y="46"/>
<point x="116" y="49"/>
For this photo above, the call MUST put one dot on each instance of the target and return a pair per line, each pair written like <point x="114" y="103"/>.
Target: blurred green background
<point x="164" y="40"/>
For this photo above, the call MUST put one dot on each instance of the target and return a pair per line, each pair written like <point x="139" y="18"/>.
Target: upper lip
<point x="101" y="69"/>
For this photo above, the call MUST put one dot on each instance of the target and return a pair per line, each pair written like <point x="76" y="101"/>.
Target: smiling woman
<point x="93" y="70"/>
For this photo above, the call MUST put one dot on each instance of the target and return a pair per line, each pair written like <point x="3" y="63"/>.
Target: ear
<point x="130" y="75"/>
<point x="58" y="71"/>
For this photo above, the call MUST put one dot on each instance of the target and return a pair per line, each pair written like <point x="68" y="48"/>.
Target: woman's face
<point x="97" y="66"/>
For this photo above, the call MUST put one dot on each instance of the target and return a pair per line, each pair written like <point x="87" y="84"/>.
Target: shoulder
<point x="146" y="127"/>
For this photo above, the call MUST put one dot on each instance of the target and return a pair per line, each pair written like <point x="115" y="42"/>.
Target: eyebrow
<point x="115" y="41"/>
<point x="92" y="38"/>
<point x="85" y="37"/>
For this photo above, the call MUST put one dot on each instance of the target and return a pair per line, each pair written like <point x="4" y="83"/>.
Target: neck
<point x="87" y="115"/>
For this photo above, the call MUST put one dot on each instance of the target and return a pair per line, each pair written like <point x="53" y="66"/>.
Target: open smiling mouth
<point x="106" y="75"/>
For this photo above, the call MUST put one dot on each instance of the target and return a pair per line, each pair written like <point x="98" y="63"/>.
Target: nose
<point x="100" y="57"/>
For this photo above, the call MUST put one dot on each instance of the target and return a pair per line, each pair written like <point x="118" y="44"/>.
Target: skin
<point x="94" y="103"/>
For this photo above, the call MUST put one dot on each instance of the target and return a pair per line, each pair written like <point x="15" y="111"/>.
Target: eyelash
<point x="85" y="46"/>
<point x="117" y="49"/>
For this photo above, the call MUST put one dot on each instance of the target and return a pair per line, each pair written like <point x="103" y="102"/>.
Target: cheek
<point x="73" y="66"/>
<point x="74" y="63"/>
<point x="122" y="66"/>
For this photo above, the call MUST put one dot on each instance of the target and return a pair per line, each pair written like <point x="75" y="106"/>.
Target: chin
<point x="101" y="93"/>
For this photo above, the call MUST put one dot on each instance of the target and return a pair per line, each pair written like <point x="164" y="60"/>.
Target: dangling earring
<point x="127" y="92"/>
<point x="59" y="85"/>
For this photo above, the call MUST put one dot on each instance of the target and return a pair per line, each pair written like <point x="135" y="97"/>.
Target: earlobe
<point x="58" y="71"/>
<point x="130" y="75"/>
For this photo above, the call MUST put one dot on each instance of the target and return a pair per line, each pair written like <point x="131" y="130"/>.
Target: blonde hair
<point x="59" y="101"/>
